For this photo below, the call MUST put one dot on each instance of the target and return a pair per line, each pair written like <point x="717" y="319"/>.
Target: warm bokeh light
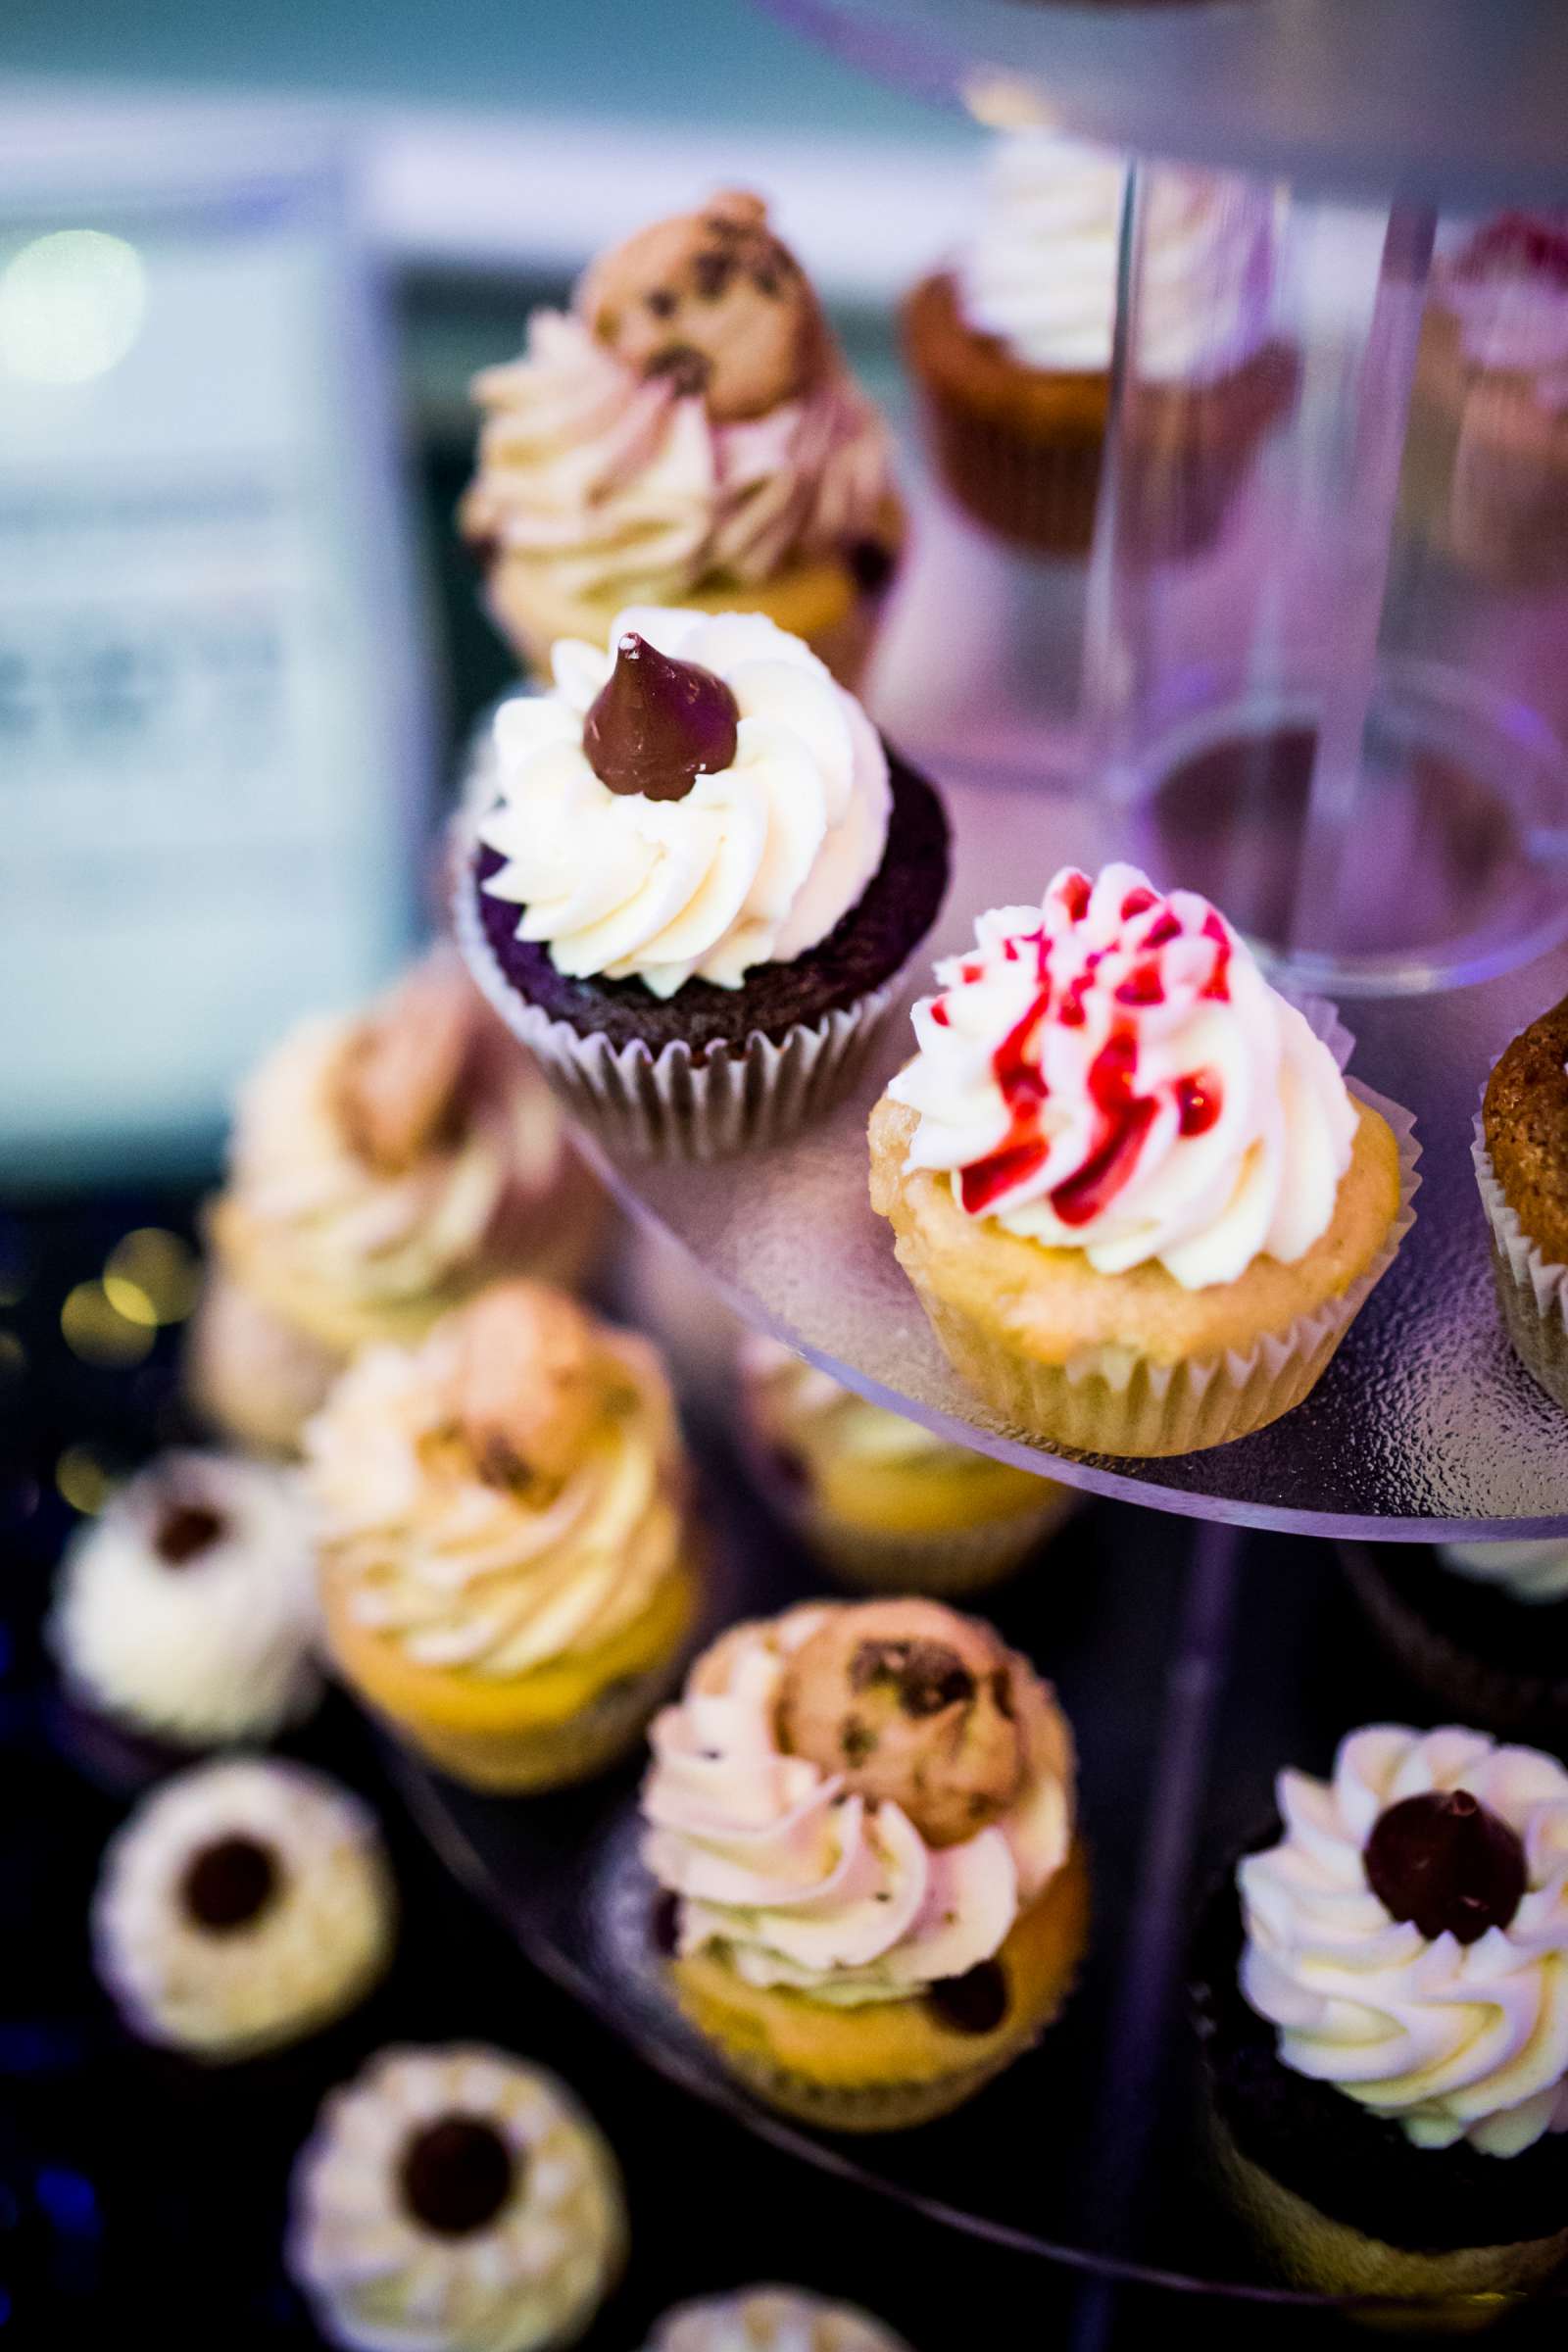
<point x="152" y="1276"/>
<point x="72" y="305"/>
<point x="13" y="1356"/>
<point x="83" y="1480"/>
<point x="95" y="1329"/>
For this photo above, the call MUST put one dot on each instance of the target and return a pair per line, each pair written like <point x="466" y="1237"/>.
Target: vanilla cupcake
<point x="687" y="433"/>
<point x="383" y="1166"/>
<point x="508" y="1558"/>
<point x="242" y="1906"/>
<point x="1382" y="1997"/>
<point x="770" y="2319"/>
<point x="457" y="2199"/>
<point x="1138" y="1202"/>
<point x="864" y="1813"/>
<point x="879" y="1499"/>
<point x="699" y="877"/>
<point x="187" y="1610"/>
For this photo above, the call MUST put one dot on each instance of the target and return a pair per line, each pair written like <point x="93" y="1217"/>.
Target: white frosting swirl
<point x="212" y="1646"/>
<point x="1531" y="1572"/>
<point x="1110" y="1072"/>
<point x="803" y="1886"/>
<point x="770" y="2319"/>
<point x="755" y="865"/>
<point x="490" y="1580"/>
<point x="530" y="2276"/>
<point x="616" y="486"/>
<point x="332" y="1222"/>
<point x="312" y="1949"/>
<point x="1041" y="273"/>
<point x="1455" y="2042"/>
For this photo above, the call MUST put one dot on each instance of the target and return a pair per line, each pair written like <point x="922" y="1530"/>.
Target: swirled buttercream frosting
<point x="442" y="1538"/>
<point x="753" y="863"/>
<point x="1507" y="289"/>
<point x="312" y="1184"/>
<point x="801" y="1878"/>
<point x="1458" y="2035"/>
<point x="1040" y="273"/>
<point x="616" y="484"/>
<point x="1110" y="1072"/>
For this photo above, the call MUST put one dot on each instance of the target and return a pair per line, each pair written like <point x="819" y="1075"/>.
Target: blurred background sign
<point x="214" y="749"/>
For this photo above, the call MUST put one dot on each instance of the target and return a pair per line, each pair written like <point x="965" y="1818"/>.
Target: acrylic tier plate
<point x="1191" y="1676"/>
<point x="1423" y="1425"/>
<point x="1454" y="99"/>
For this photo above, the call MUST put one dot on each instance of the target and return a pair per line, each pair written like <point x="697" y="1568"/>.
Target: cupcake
<point x="880" y="1500"/>
<point x="1127" y="1180"/>
<point x="1487" y="458"/>
<point x="687" y="433"/>
<point x="1521" y="1164"/>
<point x="863" y="1812"/>
<point x="458" y="2200"/>
<point x="383" y="1167"/>
<point x="1483" y="1626"/>
<point x="1383" y="2000"/>
<point x="508" y="1558"/>
<point x="770" y="2319"/>
<point x="1012" y="349"/>
<point x="242" y="1905"/>
<point x="698" y="880"/>
<point x="188" y="1611"/>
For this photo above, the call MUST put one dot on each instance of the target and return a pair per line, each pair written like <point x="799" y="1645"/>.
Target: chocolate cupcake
<point x="699" y="881"/>
<point x="1483" y="1626"/>
<point x="1377" y="1994"/>
<point x="1012" y="350"/>
<point x="1521" y="1164"/>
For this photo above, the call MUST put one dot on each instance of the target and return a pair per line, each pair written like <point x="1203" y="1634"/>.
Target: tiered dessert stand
<point x="1192" y="1661"/>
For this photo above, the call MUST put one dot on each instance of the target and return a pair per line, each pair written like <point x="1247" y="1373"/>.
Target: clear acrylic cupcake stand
<point x="1354" y="741"/>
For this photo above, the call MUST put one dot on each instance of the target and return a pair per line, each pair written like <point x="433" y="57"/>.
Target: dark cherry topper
<point x="456" y="2174"/>
<point x="1448" y="1864"/>
<point x="657" y="724"/>
<point x="230" y="1883"/>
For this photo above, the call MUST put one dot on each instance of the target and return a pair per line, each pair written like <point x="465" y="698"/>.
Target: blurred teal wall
<point x="677" y="60"/>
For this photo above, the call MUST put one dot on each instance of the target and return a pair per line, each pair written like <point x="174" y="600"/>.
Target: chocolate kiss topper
<point x="1447" y="1864"/>
<point x="657" y="724"/>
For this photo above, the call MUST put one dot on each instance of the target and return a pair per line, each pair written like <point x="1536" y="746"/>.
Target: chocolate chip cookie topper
<point x="713" y="302"/>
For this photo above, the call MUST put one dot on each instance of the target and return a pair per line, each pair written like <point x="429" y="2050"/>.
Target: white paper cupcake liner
<point x="674" y="1105"/>
<point x="1532" y="1289"/>
<point x="1116" y="1401"/>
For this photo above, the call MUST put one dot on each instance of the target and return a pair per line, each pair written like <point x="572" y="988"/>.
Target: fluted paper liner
<point x="1116" y="1401"/>
<point x="677" y="1105"/>
<point x="1532" y="1289"/>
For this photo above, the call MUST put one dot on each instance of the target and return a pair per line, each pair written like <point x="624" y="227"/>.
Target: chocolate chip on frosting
<point x="903" y="1701"/>
<point x="657" y="724"/>
<point x="184" y="1530"/>
<point x="714" y="303"/>
<point x="456" y="2174"/>
<point x="230" y="1883"/>
<point x="1447" y="1863"/>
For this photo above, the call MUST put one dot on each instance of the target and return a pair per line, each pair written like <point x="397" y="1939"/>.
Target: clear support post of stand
<point x="1326" y="578"/>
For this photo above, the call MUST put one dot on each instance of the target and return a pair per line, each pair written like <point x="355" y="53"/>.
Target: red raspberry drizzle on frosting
<point x="1123" y="1115"/>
